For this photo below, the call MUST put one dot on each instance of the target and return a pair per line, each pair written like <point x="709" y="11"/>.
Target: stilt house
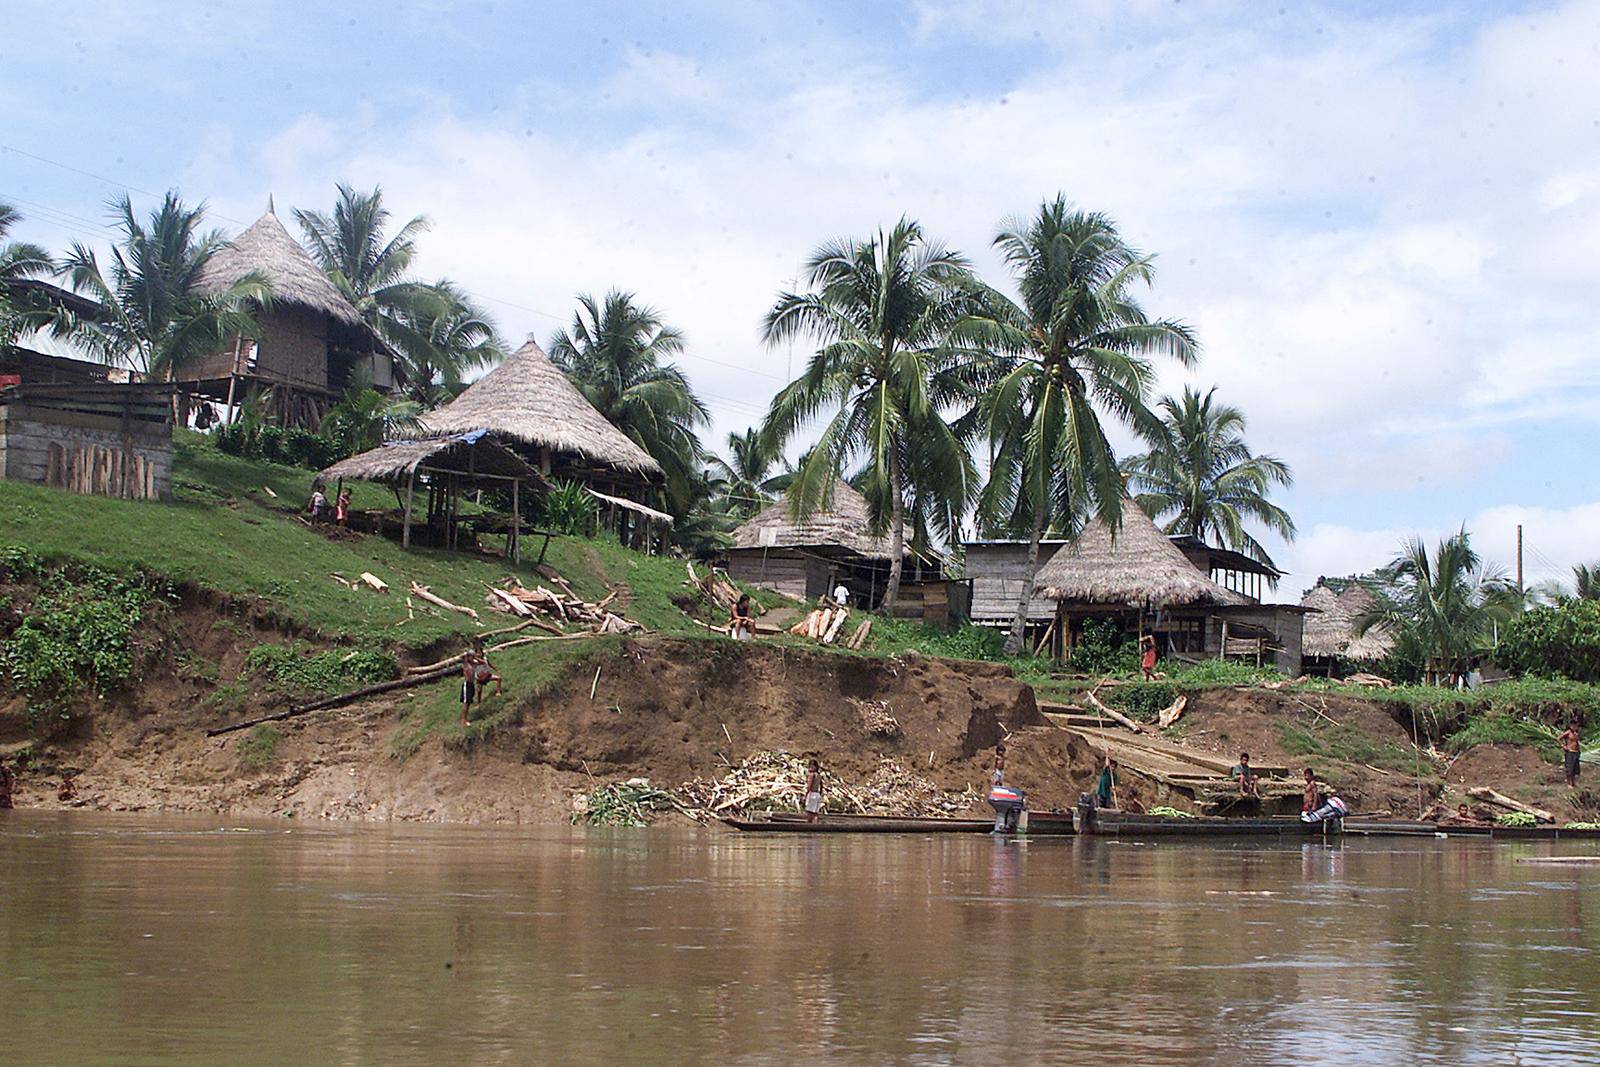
<point x="311" y="338"/>
<point x="1333" y="634"/>
<point x="807" y="557"/>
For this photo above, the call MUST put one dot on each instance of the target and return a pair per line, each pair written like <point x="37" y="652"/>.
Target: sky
<point x="1381" y="219"/>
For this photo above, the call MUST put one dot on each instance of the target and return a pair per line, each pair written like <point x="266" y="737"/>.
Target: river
<point x="138" y="940"/>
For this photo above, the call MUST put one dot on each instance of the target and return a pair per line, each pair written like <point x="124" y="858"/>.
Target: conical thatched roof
<point x="528" y="398"/>
<point x="845" y="524"/>
<point x="1138" y="567"/>
<point x="267" y="249"/>
<point x="1331" y="631"/>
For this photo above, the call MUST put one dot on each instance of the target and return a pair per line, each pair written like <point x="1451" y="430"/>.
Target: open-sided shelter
<point x="530" y="405"/>
<point x="444" y="467"/>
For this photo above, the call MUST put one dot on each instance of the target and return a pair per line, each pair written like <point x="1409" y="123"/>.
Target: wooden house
<point x="1140" y="578"/>
<point x="997" y="571"/>
<point x="100" y="438"/>
<point x="311" y="338"/>
<point x="807" y="557"/>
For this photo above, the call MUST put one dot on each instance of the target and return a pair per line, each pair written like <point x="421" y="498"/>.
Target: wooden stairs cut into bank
<point x="1202" y="776"/>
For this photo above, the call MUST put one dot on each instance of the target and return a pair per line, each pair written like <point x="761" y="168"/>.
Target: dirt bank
<point x="667" y="709"/>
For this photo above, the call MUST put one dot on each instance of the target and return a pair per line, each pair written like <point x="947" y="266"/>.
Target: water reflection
<point x="183" y="942"/>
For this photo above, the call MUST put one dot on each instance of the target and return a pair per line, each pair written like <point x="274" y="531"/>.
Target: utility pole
<point x="1519" y="558"/>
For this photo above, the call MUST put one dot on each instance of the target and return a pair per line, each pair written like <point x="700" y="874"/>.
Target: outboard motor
<point x="1334" y="809"/>
<point x="1007" y="802"/>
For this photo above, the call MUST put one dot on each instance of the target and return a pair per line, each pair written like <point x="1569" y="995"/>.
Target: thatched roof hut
<point x="1331" y="631"/>
<point x="267" y="248"/>
<point x="528" y="398"/>
<point x="474" y="455"/>
<point x="845" y="524"/>
<point x="1137" y="567"/>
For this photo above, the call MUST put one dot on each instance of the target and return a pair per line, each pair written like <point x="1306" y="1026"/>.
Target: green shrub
<point x="1503" y="729"/>
<point x="1222" y="672"/>
<point x="1104" y="649"/>
<point x="1562" y="640"/>
<point x="1141" y="700"/>
<point x="293" y="446"/>
<point x="258" y="751"/>
<point x="78" y="634"/>
<point x="294" y="668"/>
<point x="567" y="508"/>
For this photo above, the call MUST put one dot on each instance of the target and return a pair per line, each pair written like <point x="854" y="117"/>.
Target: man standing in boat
<point x="814" y="792"/>
<point x="1571" y="751"/>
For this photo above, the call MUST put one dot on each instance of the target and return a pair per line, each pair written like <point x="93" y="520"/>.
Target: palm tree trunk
<point x="1019" y="621"/>
<point x="897" y="534"/>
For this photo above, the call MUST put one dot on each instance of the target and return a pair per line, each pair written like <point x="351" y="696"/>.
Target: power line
<point x="108" y="234"/>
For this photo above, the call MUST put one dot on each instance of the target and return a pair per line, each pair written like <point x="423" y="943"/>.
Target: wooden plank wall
<point x="998" y="573"/>
<point x="85" y="453"/>
<point x="784" y="571"/>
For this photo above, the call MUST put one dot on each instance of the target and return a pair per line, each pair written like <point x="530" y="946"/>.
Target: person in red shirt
<point x="1147" y="656"/>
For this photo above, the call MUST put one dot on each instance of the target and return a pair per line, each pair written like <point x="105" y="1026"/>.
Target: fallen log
<point x="1170" y="714"/>
<point x="1483" y="792"/>
<point x="1111" y="713"/>
<point x="295" y="710"/>
<point x="374" y="581"/>
<point x="421" y="592"/>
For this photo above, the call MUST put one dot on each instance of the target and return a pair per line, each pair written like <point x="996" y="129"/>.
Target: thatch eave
<point x="266" y="248"/>
<point x="1135" y="567"/>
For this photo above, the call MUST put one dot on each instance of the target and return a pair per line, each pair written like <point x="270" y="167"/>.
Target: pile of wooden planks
<point x="560" y="606"/>
<point x="824" y="624"/>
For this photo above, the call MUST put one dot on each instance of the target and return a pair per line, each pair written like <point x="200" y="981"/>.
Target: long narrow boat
<point x="1040" y="823"/>
<point x="1100" y="822"/>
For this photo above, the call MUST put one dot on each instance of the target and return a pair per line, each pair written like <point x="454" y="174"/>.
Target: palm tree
<point x="364" y="418"/>
<point x="439" y="333"/>
<point x="367" y="265"/>
<point x="151" y="318"/>
<point x="881" y="310"/>
<point x="1078" y="344"/>
<point x="18" y="260"/>
<point x="1200" y="471"/>
<point x="614" y="353"/>
<point x="1586" y="581"/>
<point x="1446" y="606"/>
<point x="442" y="334"/>
<point x="744" y="481"/>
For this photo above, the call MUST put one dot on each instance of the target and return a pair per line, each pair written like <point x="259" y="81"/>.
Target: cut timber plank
<point x="516" y="606"/>
<point x="421" y="592"/>
<point x="374" y="581"/>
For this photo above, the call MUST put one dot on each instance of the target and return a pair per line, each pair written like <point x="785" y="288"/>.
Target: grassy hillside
<point x="223" y="531"/>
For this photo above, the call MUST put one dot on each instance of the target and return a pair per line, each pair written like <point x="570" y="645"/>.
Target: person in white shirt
<point x="841" y="595"/>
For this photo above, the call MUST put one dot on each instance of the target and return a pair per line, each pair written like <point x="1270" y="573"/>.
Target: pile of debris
<point x="563" y="606"/>
<point x="775" y="781"/>
<point x="631" y="803"/>
<point x="875" y="718"/>
<point x="825" y="623"/>
<point x="718" y="590"/>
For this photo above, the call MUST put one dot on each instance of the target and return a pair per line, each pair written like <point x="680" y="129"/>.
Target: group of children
<point x="318" y="507"/>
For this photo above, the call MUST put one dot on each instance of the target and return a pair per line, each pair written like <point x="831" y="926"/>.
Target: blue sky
<point x="1382" y="219"/>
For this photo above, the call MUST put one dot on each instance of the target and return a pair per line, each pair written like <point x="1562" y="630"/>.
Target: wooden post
<point x="405" y="528"/>
<point x="1222" y="649"/>
<point x="516" y="520"/>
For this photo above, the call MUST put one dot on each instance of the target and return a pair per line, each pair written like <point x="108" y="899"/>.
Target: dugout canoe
<point x="1040" y="823"/>
<point x="1103" y="822"/>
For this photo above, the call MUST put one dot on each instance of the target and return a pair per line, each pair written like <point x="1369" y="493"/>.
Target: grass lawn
<point x="222" y="532"/>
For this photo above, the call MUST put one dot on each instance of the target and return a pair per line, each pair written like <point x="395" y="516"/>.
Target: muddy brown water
<point x="134" y="940"/>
